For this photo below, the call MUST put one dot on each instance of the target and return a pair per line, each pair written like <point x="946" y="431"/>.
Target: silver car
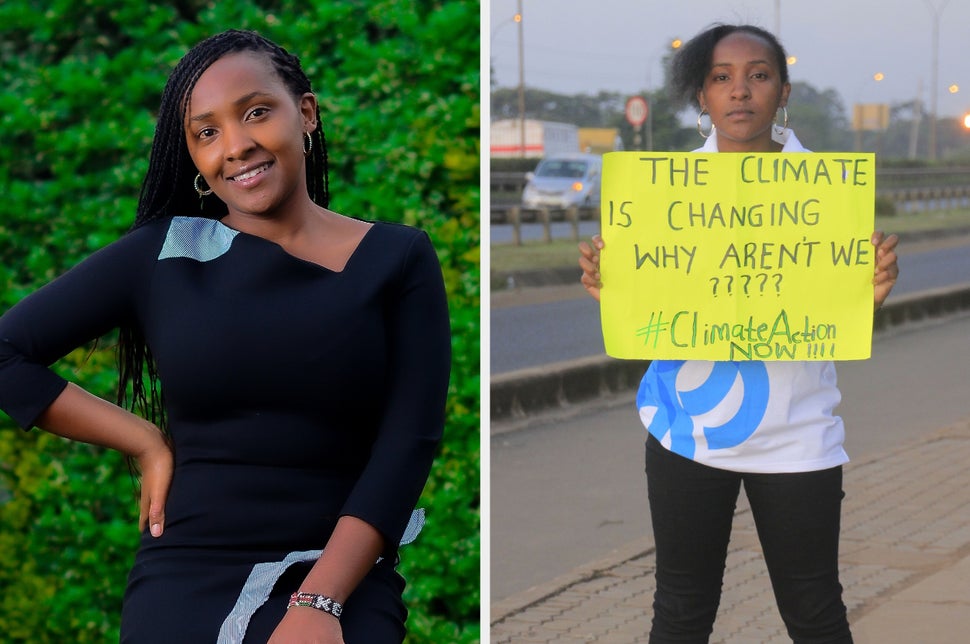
<point x="564" y="180"/>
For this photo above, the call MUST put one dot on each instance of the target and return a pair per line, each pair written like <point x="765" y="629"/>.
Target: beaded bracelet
<point x="320" y="602"/>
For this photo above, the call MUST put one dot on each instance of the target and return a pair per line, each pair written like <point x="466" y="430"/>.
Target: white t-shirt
<point x="748" y="416"/>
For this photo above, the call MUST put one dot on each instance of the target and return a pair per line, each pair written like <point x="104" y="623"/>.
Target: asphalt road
<point x="529" y="333"/>
<point x="567" y="490"/>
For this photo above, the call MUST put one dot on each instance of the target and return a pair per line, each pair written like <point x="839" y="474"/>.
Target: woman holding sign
<point x="785" y="442"/>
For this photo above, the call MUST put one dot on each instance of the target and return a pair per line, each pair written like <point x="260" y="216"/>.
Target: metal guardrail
<point x="891" y="178"/>
<point x="516" y="216"/>
<point x="507" y="182"/>
<point x="886" y="178"/>
<point x="935" y="187"/>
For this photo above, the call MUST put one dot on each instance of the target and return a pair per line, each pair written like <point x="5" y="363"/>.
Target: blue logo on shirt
<point x="676" y="409"/>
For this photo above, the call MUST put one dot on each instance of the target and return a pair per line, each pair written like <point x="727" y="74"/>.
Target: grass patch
<point x="537" y="255"/>
<point x="532" y="255"/>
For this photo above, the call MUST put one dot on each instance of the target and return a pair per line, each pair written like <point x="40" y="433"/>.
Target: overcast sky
<point x="583" y="46"/>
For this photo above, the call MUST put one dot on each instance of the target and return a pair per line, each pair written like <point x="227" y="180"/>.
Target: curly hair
<point x="692" y="62"/>
<point x="168" y="189"/>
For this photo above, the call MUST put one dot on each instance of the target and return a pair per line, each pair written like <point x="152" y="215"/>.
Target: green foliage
<point x="818" y="118"/>
<point x="885" y="207"/>
<point x="398" y="84"/>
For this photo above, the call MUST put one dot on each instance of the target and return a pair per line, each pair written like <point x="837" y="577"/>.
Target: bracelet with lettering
<point x="320" y="602"/>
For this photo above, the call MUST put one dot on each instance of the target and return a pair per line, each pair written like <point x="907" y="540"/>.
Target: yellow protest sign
<point x="736" y="256"/>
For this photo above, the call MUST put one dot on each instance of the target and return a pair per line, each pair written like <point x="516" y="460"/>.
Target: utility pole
<point x="917" y="116"/>
<point x="518" y="18"/>
<point x="934" y="90"/>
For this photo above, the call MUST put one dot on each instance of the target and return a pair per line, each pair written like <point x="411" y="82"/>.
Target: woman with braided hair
<point x="303" y="356"/>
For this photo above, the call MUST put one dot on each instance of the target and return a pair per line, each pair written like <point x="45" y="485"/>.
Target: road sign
<point x="636" y="110"/>
<point x="870" y="116"/>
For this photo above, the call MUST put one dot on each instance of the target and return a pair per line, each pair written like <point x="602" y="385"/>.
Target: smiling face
<point x="245" y="131"/>
<point x="742" y="92"/>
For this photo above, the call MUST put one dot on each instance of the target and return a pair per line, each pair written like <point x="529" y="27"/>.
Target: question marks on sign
<point x="761" y="282"/>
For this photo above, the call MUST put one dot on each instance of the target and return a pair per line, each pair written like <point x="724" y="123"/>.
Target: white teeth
<point x="251" y="173"/>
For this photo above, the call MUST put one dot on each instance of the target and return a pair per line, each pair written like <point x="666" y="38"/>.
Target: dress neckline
<point x="350" y="259"/>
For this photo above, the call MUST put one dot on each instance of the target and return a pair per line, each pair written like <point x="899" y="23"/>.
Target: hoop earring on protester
<point x="784" y="126"/>
<point x="202" y="193"/>
<point x="309" y="144"/>
<point x="700" y="127"/>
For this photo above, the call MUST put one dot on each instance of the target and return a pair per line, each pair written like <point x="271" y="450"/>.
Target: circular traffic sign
<point x="636" y="110"/>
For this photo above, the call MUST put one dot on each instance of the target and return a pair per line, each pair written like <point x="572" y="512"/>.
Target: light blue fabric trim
<point x="197" y="238"/>
<point x="264" y="576"/>
<point x="255" y="593"/>
<point x="413" y="529"/>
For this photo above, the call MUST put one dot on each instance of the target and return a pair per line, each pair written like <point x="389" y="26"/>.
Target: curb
<point x="516" y="395"/>
<point x="507" y="280"/>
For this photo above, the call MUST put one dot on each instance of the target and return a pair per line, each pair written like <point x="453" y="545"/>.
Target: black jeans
<point x="797" y="518"/>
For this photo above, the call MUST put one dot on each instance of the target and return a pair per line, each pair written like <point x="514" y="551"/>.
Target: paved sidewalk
<point x="905" y="561"/>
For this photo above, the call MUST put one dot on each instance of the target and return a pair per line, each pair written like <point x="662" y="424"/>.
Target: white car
<point x="564" y="180"/>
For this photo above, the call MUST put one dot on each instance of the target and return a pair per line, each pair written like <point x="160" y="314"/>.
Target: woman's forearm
<point x="350" y="553"/>
<point x="81" y="416"/>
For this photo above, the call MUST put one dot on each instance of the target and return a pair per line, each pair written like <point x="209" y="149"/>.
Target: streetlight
<point x="869" y="116"/>
<point x="937" y="12"/>
<point x="498" y="27"/>
<point x="518" y="19"/>
<point x="674" y="45"/>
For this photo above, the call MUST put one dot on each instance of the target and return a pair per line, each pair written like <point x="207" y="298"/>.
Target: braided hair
<point x="168" y="187"/>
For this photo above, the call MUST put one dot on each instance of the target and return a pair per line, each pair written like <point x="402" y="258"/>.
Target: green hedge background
<point x="398" y="84"/>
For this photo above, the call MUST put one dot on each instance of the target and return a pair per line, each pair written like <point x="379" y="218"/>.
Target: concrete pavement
<point x="905" y="537"/>
<point x="905" y="555"/>
<point x="905" y="565"/>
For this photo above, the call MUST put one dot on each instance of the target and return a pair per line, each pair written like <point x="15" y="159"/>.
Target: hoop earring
<point x="309" y="144"/>
<point x="202" y="193"/>
<point x="783" y="126"/>
<point x="700" y="127"/>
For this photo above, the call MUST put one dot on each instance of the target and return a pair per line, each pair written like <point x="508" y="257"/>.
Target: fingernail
<point x="156" y="529"/>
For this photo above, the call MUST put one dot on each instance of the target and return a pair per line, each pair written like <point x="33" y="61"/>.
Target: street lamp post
<point x="936" y="12"/>
<point x="518" y="19"/>
<point x="917" y="117"/>
<point x="673" y="45"/>
<point x="868" y="116"/>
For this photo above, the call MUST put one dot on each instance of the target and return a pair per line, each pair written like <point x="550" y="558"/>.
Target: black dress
<point x="295" y="395"/>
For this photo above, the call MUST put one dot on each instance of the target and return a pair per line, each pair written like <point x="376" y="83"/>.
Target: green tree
<point x="582" y="110"/>
<point x="398" y="84"/>
<point x="818" y="118"/>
